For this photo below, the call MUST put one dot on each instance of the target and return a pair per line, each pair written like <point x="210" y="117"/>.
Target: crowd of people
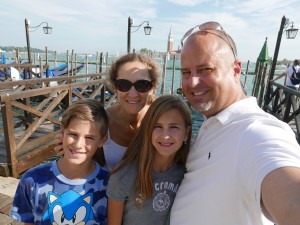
<point x="243" y="166"/>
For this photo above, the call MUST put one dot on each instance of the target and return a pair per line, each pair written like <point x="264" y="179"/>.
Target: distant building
<point x="170" y="42"/>
<point x="170" y="51"/>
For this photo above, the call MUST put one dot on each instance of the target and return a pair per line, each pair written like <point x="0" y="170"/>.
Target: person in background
<point x="288" y="72"/>
<point x="70" y="190"/>
<point x="141" y="189"/>
<point x="244" y="164"/>
<point x="134" y="77"/>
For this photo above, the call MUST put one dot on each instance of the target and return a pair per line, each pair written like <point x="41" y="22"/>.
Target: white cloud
<point x="187" y="2"/>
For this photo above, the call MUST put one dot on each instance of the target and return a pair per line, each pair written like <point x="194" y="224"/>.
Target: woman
<point x="135" y="78"/>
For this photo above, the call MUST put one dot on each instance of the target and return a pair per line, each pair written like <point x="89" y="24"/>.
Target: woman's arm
<point x="58" y="142"/>
<point x="114" y="212"/>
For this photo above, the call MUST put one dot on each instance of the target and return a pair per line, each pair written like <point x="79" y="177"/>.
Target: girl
<point x="142" y="188"/>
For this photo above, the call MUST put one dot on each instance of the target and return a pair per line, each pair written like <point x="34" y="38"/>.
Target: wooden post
<point x="34" y="58"/>
<point x="101" y="62"/>
<point x="263" y="83"/>
<point x="106" y="61"/>
<point x="72" y="62"/>
<point x="9" y="134"/>
<point x="97" y="62"/>
<point x="68" y="63"/>
<point x="86" y="64"/>
<point x="258" y="80"/>
<point x="102" y="91"/>
<point x="17" y="56"/>
<point x="255" y="80"/>
<point x="173" y="74"/>
<point x="75" y="60"/>
<point x="55" y="59"/>
<point x="164" y="76"/>
<point x="246" y="74"/>
<point x="47" y="63"/>
<point x="41" y="67"/>
<point x="42" y="71"/>
<point x="46" y="50"/>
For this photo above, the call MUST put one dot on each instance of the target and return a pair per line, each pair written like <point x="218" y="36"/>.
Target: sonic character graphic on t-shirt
<point x="69" y="208"/>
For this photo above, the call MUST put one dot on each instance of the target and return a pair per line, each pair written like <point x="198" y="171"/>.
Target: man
<point x="244" y="165"/>
<point x="289" y="72"/>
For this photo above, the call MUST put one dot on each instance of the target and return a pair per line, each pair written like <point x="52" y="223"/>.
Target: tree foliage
<point x="21" y="49"/>
<point x="146" y="51"/>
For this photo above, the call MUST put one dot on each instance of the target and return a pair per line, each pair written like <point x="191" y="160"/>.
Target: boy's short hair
<point x="87" y="109"/>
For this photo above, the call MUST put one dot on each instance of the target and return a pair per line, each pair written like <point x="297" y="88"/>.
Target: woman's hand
<point x="58" y="142"/>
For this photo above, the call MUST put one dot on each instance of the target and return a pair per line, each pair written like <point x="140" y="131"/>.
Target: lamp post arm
<point x="138" y="26"/>
<point x="36" y="27"/>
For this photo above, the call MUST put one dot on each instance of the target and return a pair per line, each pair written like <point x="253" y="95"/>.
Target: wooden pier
<point x="30" y="113"/>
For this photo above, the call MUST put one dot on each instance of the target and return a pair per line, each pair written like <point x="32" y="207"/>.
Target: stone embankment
<point x="8" y="187"/>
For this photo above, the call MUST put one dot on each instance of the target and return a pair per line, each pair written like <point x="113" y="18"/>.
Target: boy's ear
<point x="103" y="140"/>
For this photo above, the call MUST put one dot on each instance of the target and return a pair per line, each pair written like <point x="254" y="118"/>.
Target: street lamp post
<point x="47" y="30"/>
<point x="291" y="33"/>
<point x="147" y="30"/>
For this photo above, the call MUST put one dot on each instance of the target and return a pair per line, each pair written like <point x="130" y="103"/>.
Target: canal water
<point x="91" y="68"/>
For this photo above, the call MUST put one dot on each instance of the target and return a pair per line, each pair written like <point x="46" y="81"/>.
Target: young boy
<point x="71" y="190"/>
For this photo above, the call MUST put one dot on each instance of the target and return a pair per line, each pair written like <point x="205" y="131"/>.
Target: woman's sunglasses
<point x="140" y="85"/>
<point x="212" y="25"/>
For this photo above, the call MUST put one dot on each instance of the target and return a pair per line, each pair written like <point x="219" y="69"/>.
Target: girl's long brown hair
<point x="141" y="152"/>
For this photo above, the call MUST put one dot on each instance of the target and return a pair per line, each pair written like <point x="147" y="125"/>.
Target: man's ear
<point x="237" y="68"/>
<point x="103" y="140"/>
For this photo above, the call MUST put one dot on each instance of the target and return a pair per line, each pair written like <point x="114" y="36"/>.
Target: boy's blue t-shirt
<point x="45" y="196"/>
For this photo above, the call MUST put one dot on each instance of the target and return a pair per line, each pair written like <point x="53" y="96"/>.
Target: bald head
<point x="220" y="37"/>
<point x="210" y="72"/>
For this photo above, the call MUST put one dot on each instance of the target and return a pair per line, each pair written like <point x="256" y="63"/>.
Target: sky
<point x="92" y="26"/>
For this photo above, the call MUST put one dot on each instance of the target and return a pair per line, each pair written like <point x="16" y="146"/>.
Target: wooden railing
<point x="283" y="103"/>
<point x="30" y="113"/>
